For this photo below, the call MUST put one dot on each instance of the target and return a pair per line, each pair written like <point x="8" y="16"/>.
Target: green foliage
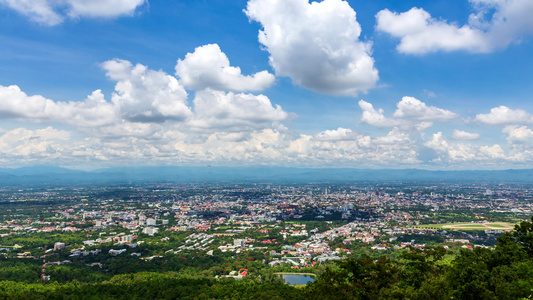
<point x="502" y="272"/>
<point x="505" y="272"/>
<point x="150" y="286"/>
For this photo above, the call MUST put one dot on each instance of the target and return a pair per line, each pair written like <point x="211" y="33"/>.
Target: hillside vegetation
<point x="503" y="272"/>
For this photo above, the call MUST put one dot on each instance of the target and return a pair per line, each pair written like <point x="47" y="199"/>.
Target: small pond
<point x="297" y="279"/>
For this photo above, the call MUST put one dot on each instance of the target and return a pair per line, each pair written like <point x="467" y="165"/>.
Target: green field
<point x="470" y="226"/>
<point x="499" y="225"/>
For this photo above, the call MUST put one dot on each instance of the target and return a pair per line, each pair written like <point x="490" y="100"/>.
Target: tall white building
<point x="150" y="230"/>
<point x="239" y="243"/>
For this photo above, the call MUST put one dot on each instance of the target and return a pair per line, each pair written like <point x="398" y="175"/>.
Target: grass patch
<point x="469" y="226"/>
<point x="500" y="225"/>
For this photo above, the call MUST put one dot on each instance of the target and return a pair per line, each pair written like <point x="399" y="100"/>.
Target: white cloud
<point x="420" y="33"/>
<point x="336" y="135"/>
<point x="437" y="143"/>
<point x="492" y="152"/>
<point x="394" y="137"/>
<point x="52" y="12"/>
<point x="375" y="117"/>
<point x="264" y="146"/>
<point x="148" y="121"/>
<point x="261" y="147"/>
<point x="39" y="11"/>
<point x="102" y="8"/>
<point x="342" y="147"/>
<point x="511" y="20"/>
<point x="519" y="134"/>
<point x="459" y="153"/>
<point x="410" y="112"/>
<point x="423" y="125"/>
<point x="94" y="111"/>
<point x="504" y="115"/>
<point x="25" y="146"/>
<point x="144" y="95"/>
<point x="217" y="109"/>
<point x="145" y="104"/>
<point x="141" y="95"/>
<point x="209" y="67"/>
<point x="464" y="135"/>
<point x="413" y="108"/>
<point x="124" y="128"/>
<point x="315" y="44"/>
<point x="520" y="139"/>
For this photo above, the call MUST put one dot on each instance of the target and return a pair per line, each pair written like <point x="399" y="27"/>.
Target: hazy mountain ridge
<point x="58" y="175"/>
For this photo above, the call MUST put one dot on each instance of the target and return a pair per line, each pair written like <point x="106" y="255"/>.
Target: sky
<point x="438" y="85"/>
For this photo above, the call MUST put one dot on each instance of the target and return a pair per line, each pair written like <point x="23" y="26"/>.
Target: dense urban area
<point x="241" y="237"/>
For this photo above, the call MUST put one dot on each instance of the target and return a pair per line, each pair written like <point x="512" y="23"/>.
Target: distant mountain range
<point x="50" y="175"/>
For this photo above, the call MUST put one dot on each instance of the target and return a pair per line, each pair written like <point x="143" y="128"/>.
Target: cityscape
<point x="266" y="149"/>
<point x="256" y="228"/>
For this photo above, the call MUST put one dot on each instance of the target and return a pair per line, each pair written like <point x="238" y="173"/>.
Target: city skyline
<point x="442" y="85"/>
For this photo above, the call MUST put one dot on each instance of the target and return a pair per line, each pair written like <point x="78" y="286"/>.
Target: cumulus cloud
<point x="459" y="152"/>
<point x="148" y="120"/>
<point x="339" y="134"/>
<point x="266" y="146"/>
<point x="25" y="145"/>
<point x="261" y="147"/>
<point x="504" y="115"/>
<point x="217" y="109"/>
<point x="143" y="95"/>
<point x="94" y="111"/>
<point x="520" y="140"/>
<point x="394" y="137"/>
<point x="145" y="104"/>
<point x="437" y="143"/>
<point x="53" y="12"/>
<point x="493" y="152"/>
<point x="464" y="135"/>
<point x="315" y="44"/>
<point x="519" y="134"/>
<point x="209" y="67"/>
<point x="375" y="117"/>
<point x="124" y="128"/>
<point x="346" y="148"/>
<point x="410" y="112"/>
<point x="494" y="24"/>
<point x="271" y="146"/>
<point x="420" y="33"/>
<point x="413" y="108"/>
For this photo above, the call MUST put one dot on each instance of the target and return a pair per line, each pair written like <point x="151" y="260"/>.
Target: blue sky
<point x="364" y="84"/>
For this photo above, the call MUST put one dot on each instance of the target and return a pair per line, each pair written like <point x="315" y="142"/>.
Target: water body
<point x="297" y="279"/>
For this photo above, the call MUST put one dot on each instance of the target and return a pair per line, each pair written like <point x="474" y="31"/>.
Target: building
<point x="116" y="252"/>
<point x="142" y="219"/>
<point x="150" y="230"/>
<point x="59" y="246"/>
<point x="126" y="238"/>
<point x="240" y="243"/>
